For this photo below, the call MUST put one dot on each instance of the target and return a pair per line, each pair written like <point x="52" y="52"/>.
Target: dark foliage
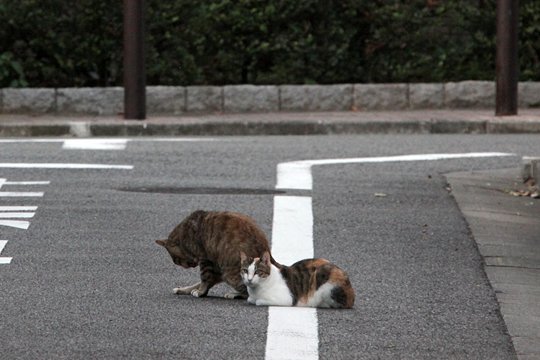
<point x="58" y="43"/>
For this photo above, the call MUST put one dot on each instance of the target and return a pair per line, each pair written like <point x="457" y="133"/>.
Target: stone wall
<point x="176" y="100"/>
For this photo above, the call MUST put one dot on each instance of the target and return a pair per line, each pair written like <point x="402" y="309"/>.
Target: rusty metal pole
<point x="507" y="67"/>
<point x="134" y="72"/>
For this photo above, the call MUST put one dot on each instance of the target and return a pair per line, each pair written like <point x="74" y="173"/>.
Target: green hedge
<point x="58" y="43"/>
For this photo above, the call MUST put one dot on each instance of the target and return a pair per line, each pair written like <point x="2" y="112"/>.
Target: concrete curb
<point x="175" y="100"/>
<point x="277" y="123"/>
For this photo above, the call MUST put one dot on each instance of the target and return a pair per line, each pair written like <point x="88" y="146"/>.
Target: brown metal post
<point x="134" y="72"/>
<point x="507" y="57"/>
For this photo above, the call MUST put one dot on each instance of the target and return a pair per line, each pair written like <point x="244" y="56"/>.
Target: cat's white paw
<point x="261" y="302"/>
<point x="251" y="301"/>
<point x="183" y="290"/>
<point x="196" y="293"/>
<point x="231" y="295"/>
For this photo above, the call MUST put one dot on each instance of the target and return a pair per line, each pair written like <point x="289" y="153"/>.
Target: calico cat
<point x="213" y="241"/>
<point x="310" y="282"/>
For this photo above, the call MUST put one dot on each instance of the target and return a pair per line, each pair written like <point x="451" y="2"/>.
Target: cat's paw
<point x="251" y="301"/>
<point x="231" y="295"/>
<point x="196" y="293"/>
<point x="182" y="290"/>
<point x="186" y="290"/>
<point x="261" y="302"/>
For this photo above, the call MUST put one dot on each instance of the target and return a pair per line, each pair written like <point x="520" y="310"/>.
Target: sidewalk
<point x="506" y="229"/>
<point x="278" y="123"/>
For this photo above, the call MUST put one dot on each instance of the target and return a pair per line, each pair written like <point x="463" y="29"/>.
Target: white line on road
<point x="4" y="260"/>
<point x="292" y="229"/>
<point x="297" y="174"/>
<point x="95" y="144"/>
<point x="18" y="208"/>
<point x="20" y="194"/>
<point x="26" y="183"/>
<point x="292" y="332"/>
<point x="64" y="166"/>
<point x="16" y="215"/>
<point x="18" y="224"/>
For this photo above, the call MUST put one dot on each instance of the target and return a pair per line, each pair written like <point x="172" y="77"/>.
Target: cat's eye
<point x="244" y="271"/>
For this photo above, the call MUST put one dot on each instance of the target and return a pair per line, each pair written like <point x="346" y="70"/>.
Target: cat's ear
<point x="266" y="258"/>
<point x="161" y="242"/>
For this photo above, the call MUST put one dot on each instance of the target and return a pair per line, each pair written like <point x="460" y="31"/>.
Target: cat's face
<point x="179" y="257"/>
<point x="254" y="271"/>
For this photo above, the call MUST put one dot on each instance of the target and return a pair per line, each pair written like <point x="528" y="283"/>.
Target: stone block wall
<point x="177" y="100"/>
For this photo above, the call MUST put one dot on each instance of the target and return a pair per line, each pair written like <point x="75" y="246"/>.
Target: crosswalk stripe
<point x="18" y="224"/>
<point x="16" y="215"/>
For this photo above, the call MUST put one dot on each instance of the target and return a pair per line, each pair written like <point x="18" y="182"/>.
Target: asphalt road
<point x="87" y="281"/>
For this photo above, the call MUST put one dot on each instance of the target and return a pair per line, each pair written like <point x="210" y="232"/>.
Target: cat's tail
<point x="275" y="263"/>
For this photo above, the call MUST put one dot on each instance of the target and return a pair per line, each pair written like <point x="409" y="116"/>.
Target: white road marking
<point x="59" y="166"/>
<point x="18" y="208"/>
<point x="95" y="144"/>
<point x="16" y="215"/>
<point x="4" y="260"/>
<point x="20" y="194"/>
<point x="297" y="174"/>
<point x="292" y="331"/>
<point x="25" y="183"/>
<point x="17" y="212"/>
<point x="292" y="229"/>
<point x="18" y="224"/>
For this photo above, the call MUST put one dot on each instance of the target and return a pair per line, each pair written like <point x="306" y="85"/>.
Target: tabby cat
<point x="310" y="282"/>
<point x="213" y="241"/>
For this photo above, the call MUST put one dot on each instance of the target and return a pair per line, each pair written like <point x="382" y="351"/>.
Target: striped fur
<point x="213" y="241"/>
<point x="310" y="282"/>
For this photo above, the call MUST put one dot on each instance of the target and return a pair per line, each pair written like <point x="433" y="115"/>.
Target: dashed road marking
<point x="24" y="182"/>
<point x="4" y="260"/>
<point x="10" y="215"/>
<point x="18" y="224"/>
<point x="18" y="208"/>
<point x="17" y="215"/>
<point x="21" y="194"/>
